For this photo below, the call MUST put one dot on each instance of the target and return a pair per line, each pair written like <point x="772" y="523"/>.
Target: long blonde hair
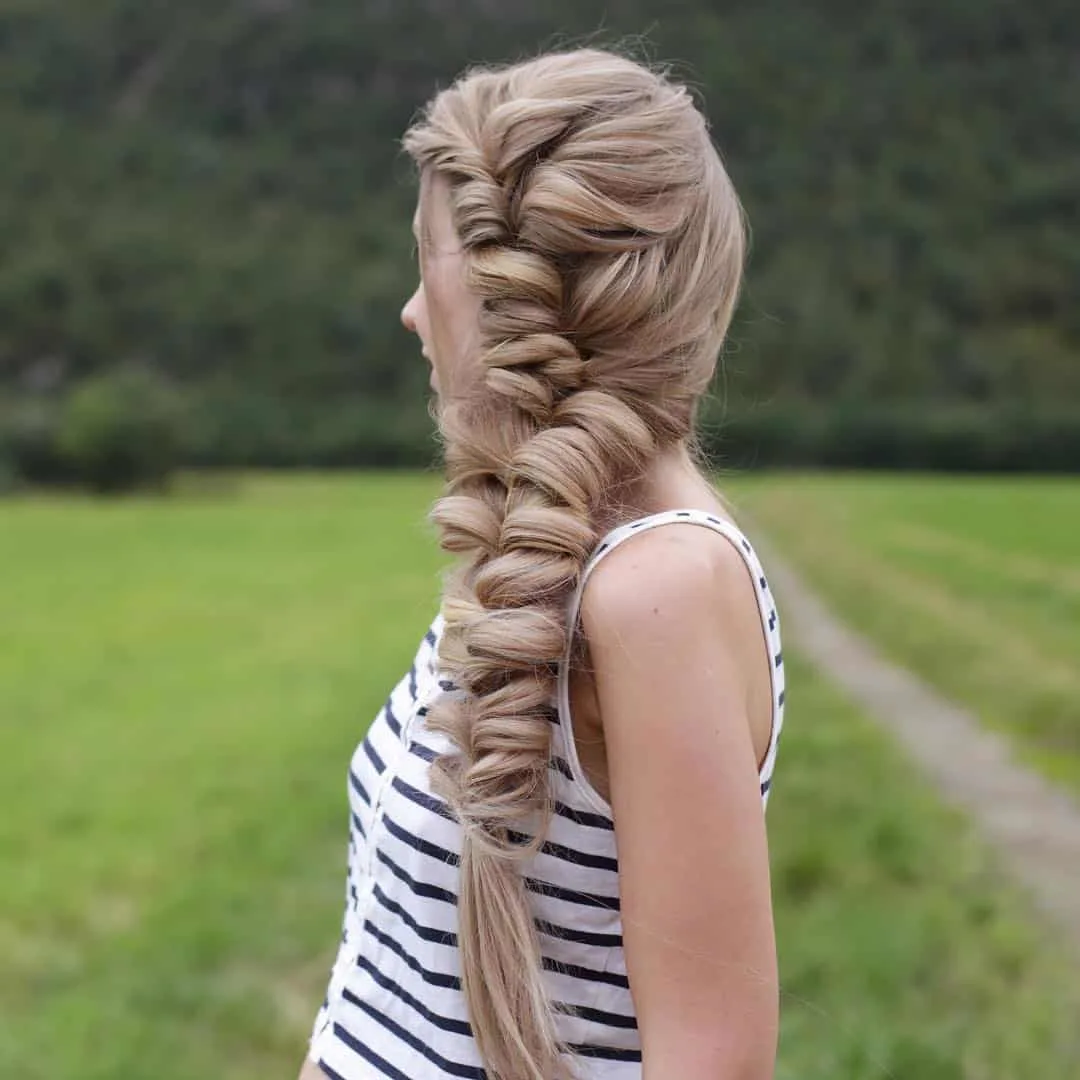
<point x="606" y="244"/>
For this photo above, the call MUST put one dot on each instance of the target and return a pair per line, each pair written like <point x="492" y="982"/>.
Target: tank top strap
<point x="766" y="609"/>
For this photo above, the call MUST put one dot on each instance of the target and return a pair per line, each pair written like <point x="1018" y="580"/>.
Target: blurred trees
<point x="120" y="430"/>
<point x="214" y="192"/>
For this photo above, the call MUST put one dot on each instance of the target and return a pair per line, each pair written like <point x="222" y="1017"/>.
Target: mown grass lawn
<point x="972" y="582"/>
<point x="181" y="684"/>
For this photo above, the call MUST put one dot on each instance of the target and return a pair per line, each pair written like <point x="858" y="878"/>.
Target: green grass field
<point x="973" y="583"/>
<point x="182" y="682"/>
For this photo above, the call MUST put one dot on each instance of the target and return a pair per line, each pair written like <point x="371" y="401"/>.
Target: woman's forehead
<point x="433" y="207"/>
<point x="433" y="220"/>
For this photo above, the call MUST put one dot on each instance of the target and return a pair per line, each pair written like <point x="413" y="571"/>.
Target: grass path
<point x="972" y="583"/>
<point x="1034" y="827"/>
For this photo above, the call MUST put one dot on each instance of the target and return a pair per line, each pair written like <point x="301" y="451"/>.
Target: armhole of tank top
<point x="766" y="612"/>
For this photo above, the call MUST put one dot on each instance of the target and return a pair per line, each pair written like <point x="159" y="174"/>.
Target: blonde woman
<point x="558" y="859"/>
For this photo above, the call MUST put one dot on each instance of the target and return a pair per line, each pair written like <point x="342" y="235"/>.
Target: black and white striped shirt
<point x="394" y="1006"/>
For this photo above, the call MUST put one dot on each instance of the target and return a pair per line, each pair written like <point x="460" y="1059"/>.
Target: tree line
<point x="213" y="195"/>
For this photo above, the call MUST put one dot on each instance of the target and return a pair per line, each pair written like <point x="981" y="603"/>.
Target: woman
<point x="600" y="673"/>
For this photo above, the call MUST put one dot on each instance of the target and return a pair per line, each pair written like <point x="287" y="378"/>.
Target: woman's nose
<point x="408" y="312"/>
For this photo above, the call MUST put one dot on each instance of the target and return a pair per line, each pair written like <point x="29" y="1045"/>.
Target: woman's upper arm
<point x="669" y="618"/>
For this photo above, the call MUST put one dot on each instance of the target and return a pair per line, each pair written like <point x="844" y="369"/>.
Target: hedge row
<point x="129" y="430"/>
<point x="916" y="436"/>
<point x="118" y="432"/>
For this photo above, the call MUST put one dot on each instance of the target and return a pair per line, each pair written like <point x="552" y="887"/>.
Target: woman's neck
<point x="671" y="481"/>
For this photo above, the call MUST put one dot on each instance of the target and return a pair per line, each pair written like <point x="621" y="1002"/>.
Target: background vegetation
<point x="214" y="192"/>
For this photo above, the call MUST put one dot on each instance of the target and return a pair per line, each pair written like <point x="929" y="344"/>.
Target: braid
<point x="593" y="355"/>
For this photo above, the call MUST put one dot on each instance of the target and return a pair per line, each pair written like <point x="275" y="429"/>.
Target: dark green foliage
<point x="245" y="429"/>
<point x="219" y="188"/>
<point x="121" y="430"/>
<point x="29" y="443"/>
<point x="923" y="436"/>
<point x="9" y="478"/>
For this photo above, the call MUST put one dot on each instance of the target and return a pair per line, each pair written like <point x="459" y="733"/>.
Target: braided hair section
<point x="605" y="243"/>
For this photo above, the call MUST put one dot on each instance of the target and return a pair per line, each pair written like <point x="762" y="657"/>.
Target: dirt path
<point x="1034" y="827"/>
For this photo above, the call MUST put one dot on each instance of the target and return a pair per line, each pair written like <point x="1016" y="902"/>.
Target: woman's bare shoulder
<point x="680" y="604"/>
<point x="673" y="563"/>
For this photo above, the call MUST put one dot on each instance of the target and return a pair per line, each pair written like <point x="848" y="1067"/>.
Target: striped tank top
<point x="395" y="1006"/>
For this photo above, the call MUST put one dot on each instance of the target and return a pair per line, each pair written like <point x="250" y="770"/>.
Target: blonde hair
<point x="606" y="243"/>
